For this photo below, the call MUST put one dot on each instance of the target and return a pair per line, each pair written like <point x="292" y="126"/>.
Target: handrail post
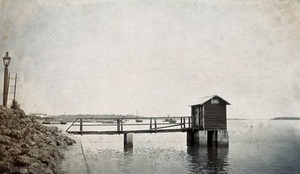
<point x="189" y="122"/>
<point x="181" y="122"/>
<point x="81" y="128"/>
<point x="121" y="124"/>
<point x="118" y="125"/>
<point x="155" y="124"/>
<point x="150" y="123"/>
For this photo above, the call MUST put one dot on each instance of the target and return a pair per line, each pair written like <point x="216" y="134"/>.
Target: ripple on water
<point x="255" y="147"/>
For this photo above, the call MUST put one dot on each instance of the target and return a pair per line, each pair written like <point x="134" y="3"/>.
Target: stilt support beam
<point x="208" y="138"/>
<point x="128" y="140"/>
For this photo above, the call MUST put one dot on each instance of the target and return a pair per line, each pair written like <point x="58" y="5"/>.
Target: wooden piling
<point x="81" y="127"/>
<point x="190" y="138"/>
<point x="223" y="139"/>
<point x="128" y="140"/>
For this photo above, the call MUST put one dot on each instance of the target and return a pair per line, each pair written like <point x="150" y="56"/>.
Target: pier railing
<point x="130" y="125"/>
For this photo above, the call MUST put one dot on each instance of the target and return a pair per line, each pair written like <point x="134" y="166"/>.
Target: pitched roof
<point x="203" y="100"/>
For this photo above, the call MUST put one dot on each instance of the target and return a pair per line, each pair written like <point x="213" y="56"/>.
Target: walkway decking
<point x="130" y="131"/>
<point x="110" y="126"/>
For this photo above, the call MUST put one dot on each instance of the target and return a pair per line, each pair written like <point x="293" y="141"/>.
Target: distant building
<point x="209" y="113"/>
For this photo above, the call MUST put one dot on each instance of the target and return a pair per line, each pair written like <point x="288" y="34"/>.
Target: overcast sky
<point x="154" y="57"/>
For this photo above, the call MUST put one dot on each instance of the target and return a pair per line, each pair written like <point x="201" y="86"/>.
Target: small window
<point x="215" y="101"/>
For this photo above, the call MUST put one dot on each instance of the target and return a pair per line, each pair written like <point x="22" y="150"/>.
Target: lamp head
<point x="6" y="60"/>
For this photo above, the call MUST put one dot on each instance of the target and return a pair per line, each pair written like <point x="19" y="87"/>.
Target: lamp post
<point x="6" y="61"/>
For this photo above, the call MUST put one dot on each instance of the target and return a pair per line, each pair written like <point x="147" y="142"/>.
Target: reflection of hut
<point x="209" y="119"/>
<point x="214" y="160"/>
<point x="210" y="113"/>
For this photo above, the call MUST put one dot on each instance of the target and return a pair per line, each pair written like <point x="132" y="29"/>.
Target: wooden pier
<point x="207" y="124"/>
<point x="125" y="125"/>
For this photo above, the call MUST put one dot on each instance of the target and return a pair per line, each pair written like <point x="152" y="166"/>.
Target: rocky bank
<point x="27" y="146"/>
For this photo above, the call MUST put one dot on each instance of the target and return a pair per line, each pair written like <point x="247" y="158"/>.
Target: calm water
<point x="256" y="146"/>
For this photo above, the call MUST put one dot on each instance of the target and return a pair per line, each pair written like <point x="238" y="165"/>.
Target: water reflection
<point x="275" y="151"/>
<point x="208" y="159"/>
<point x="128" y="151"/>
<point x="124" y="162"/>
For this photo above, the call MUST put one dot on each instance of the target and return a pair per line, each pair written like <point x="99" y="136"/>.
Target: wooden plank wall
<point x="215" y="115"/>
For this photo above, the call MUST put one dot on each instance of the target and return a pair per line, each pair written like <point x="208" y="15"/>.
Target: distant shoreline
<point x="236" y="119"/>
<point x="286" y="118"/>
